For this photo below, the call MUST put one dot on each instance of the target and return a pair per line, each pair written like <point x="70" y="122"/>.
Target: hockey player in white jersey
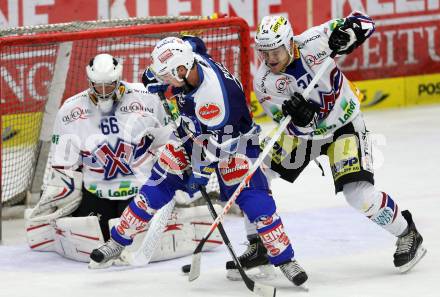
<point x="103" y="144"/>
<point x="215" y="120"/>
<point x="327" y="122"/>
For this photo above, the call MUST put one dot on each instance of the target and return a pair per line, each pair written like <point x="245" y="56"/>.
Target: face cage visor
<point x="104" y="91"/>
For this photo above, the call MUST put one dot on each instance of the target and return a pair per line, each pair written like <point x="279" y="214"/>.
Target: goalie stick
<point x="259" y="289"/>
<point x="196" y="259"/>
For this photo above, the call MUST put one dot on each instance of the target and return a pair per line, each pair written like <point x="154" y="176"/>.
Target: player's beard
<point x="187" y="88"/>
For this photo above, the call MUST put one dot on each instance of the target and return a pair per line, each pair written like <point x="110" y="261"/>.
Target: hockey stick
<point x="195" y="264"/>
<point x="259" y="289"/>
<point x="151" y="240"/>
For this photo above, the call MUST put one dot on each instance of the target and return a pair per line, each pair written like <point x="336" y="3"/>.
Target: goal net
<point x="41" y="66"/>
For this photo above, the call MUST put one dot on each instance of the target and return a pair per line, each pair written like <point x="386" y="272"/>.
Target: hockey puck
<point x="186" y="268"/>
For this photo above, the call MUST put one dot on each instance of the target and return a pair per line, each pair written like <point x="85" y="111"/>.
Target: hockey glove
<point x="301" y="111"/>
<point x="198" y="179"/>
<point x="151" y="83"/>
<point x="346" y="37"/>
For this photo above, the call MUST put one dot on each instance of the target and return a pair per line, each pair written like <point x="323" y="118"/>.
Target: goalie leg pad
<point x="184" y="229"/>
<point x="76" y="238"/>
<point x="72" y="238"/>
<point x="40" y="235"/>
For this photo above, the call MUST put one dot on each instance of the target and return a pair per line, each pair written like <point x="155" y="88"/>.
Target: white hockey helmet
<point x="104" y="73"/>
<point x="273" y="32"/>
<point x="168" y="55"/>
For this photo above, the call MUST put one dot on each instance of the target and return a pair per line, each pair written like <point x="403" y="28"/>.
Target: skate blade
<point x="303" y="287"/>
<point x="421" y="252"/>
<point x="96" y="265"/>
<point x="265" y="272"/>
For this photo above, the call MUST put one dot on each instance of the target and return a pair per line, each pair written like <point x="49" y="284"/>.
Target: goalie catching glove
<point x="302" y="111"/>
<point x="61" y="196"/>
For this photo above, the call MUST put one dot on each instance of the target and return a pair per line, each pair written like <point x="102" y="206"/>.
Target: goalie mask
<point x="168" y="55"/>
<point x="104" y="73"/>
<point x="273" y="32"/>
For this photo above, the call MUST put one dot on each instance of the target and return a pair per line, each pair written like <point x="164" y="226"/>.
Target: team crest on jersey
<point x="115" y="160"/>
<point x="282" y="83"/>
<point x="209" y="111"/>
<point x="173" y="158"/>
<point x="234" y="169"/>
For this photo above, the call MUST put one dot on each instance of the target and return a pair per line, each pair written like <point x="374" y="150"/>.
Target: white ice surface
<point x="344" y="254"/>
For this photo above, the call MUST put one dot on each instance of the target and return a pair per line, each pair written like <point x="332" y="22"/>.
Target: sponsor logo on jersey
<point x="123" y="193"/>
<point x="348" y="110"/>
<point x="77" y="113"/>
<point x="209" y="111"/>
<point x="173" y="159"/>
<point x="343" y="166"/>
<point x="323" y="129"/>
<point x="234" y="169"/>
<point x="302" y="44"/>
<point x="316" y="59"/>
<point x="165" y="55"/>
<point x="136" y="107"/>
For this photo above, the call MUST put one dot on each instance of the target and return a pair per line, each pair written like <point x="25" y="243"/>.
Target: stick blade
<point x="264" y="290"/>
<point x="194" y="273"/>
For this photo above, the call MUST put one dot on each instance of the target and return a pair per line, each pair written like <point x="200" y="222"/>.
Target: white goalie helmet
<point x="273" y="32"/>
<point x="104" y="73"/>
<point x="168" y="55"/>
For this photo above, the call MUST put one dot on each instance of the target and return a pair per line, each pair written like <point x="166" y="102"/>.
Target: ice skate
<point x="409" y="246"/>
<point x="256" y="257"/>
<point x="105" y="255"/>
<point x="294" y="272"/>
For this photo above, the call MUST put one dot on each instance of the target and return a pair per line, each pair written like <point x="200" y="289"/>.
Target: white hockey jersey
<point x="337" y="98"/>
<point x="112" y="150"/>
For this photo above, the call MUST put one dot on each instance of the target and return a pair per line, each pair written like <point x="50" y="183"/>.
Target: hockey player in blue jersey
<point x="220" y="137"/>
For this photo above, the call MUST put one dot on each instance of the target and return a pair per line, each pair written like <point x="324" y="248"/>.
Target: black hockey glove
<point x="151" y="83"/>
<point x="346" y="37"/>
<point x="301" y="110"/>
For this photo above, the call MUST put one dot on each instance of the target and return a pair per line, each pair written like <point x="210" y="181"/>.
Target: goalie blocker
<point x="49" y="229"/>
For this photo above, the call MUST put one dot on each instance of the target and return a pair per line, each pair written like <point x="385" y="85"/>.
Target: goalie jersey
<point x="337" y="98"/>
<point x="112" y="150"/>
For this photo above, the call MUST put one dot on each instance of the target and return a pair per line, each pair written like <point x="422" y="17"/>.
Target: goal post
<point x="41" y="66"/>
